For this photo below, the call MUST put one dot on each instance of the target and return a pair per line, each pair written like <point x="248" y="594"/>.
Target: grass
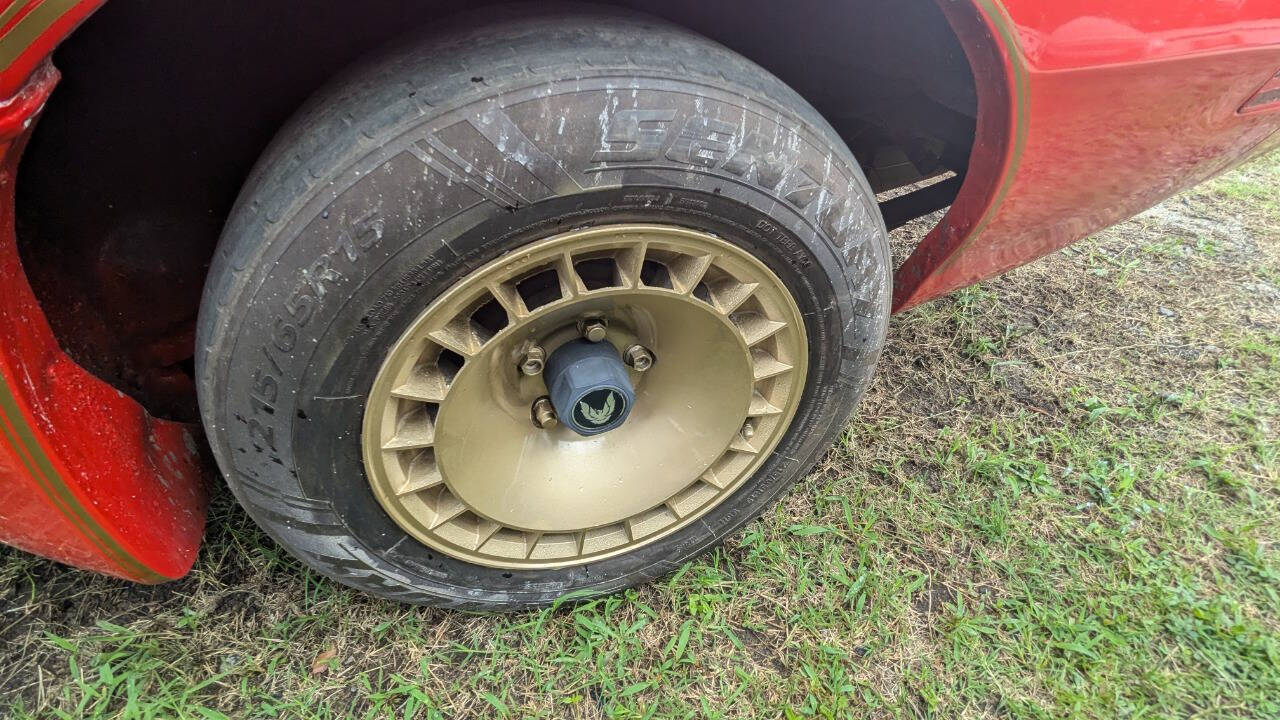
<point x="1060" y="499"/>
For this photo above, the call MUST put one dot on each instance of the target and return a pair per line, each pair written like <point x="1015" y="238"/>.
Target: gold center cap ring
<point x="449" y="447"/>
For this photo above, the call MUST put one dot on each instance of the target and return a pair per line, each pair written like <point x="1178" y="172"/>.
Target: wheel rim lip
<point x="531" y="257"/>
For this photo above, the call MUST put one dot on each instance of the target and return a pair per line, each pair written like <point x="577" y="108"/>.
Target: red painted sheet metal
<point x="1069" y="34"/>
<point x="30" y="30"/>
<point x="1099" y="129"/>
<point x="86" y="477"/>
<point x="1267" y="98"/>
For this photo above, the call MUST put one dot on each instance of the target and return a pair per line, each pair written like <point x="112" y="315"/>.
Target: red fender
<point x="86" y="476"/>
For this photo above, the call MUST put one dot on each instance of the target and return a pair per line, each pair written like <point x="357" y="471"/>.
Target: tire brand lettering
<point x="639" y="135"/>
<point x="703" y="141"/>
<point x="755" y="163"/>
<point x="833" y="216"/>
<point x="634" y="136"/>
<point x="799" y="188"/>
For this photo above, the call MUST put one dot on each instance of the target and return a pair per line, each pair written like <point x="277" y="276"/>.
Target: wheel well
<point x="164" y="107"/>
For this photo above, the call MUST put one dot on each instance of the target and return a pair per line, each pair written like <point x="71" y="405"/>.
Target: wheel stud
<point x="593" y="329"/>
<point x="638" y="357"/>
<point x="535" y="358"/>
<point x="544" y="415"/>
<point x="748" y="430"/>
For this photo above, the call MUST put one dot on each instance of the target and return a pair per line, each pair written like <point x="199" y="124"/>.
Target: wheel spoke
<point x="765" y="365"/>
<point x="755" y="327"/>
<point x="423" y="474"/>
<point x="510" y="300"/>
<point x="447" y="507"/>
<point x="531" y="543"/>
<point x="760" y="406"/>
<point x="709" y="477"/>
<point x="687" y="501"/>
<point x="417" y="430"/>
<point x="571" y="285"/>
<point x="485" y="529"/>
<point x="427" y="385"/>
<point x="629" y="262"/>
<point x="728" y="294"/>
<point x="687" y="271"/>
<point x="461" y="336"/>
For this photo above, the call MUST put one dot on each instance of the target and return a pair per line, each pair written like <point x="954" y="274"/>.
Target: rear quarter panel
<point x="1107" y="109"/>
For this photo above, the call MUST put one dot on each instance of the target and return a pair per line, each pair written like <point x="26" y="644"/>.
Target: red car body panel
<point x="86" y="476"/>
<point x="1089" y="112"/>
<point x="30" y="30"/>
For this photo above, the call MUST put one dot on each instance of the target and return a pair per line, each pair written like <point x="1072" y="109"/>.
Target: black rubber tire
<point x="342" y="235"/>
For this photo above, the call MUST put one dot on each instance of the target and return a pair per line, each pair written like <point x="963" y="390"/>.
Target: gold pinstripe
<point x="30" y="27"/>
<point x="26" y="447"/>
<point x="13" y="10"/>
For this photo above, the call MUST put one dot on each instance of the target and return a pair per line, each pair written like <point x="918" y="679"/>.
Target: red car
<point x="537" y="299"/>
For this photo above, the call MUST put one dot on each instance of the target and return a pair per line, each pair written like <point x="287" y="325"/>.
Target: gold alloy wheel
<point x="455" y="457"/>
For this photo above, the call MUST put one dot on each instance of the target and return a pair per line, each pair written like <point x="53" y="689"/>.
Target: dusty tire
<point x="348" y="228"/>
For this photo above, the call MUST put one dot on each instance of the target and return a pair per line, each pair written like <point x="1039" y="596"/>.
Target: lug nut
<point x="638" y="357"/>
<point x="593" y="330"/>
<point x="535" y="358"/>
<point x="748" y="430"/>
<point x="544" y="415"/>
